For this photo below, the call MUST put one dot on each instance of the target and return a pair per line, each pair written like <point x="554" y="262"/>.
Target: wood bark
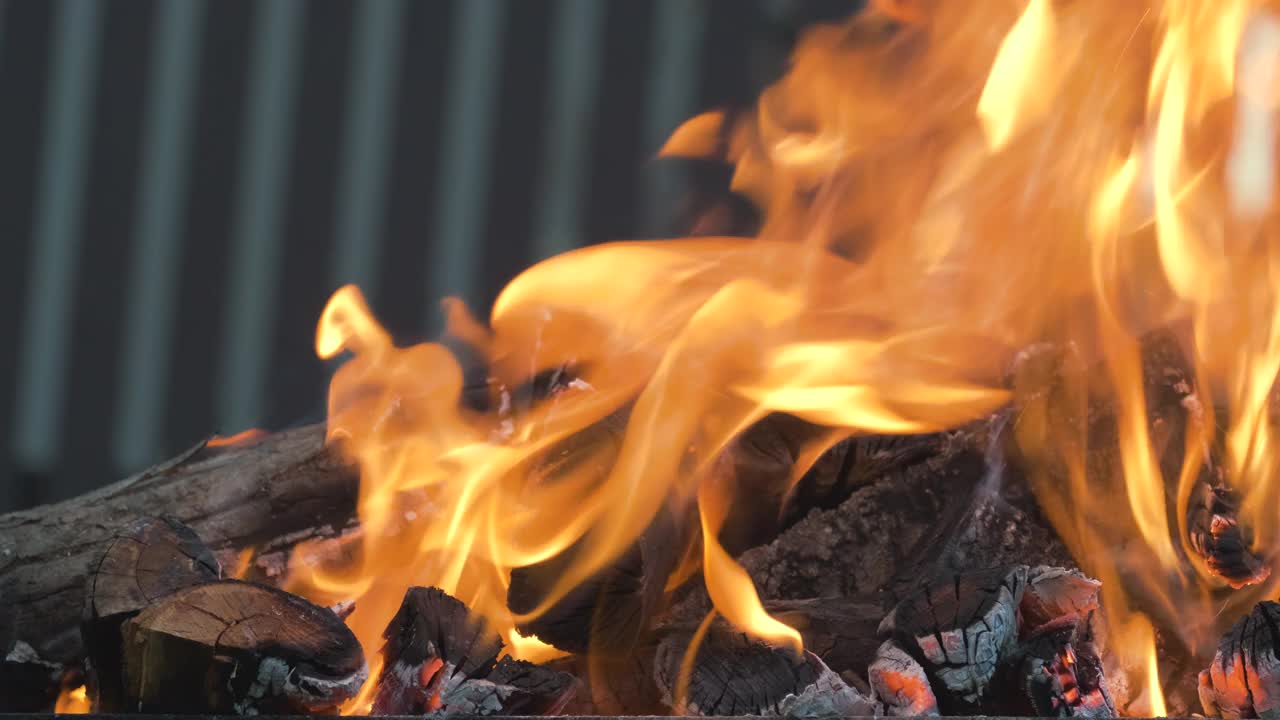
<point x="268" y="494"/>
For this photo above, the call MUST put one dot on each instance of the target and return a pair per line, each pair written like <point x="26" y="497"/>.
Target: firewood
<point x="960" y="628"/>
<point x="1057" y="673"/>
<point x="1216" y="535"/>
<point x="732" y="673"/>
<point x="1244" y="679"/>
<point x="610" y="612"/>
<point x="1056" y="597"/>
<point x="898" y="681"/>
<point x="236" y="647"/>
<point x="963" y="630"/>
<point x="272" y="492"/>
<point x="440" y="659"/>
<point x="840" y="631"/>
<point x="144" y="563"/>
<point x="614" y="685"/>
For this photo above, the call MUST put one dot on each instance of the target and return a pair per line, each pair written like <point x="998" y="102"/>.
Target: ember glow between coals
<point x="944" y="185"/>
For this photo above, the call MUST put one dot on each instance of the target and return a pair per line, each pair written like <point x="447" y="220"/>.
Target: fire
<point x="944" y="186"/>
<point x="72" y="701"/>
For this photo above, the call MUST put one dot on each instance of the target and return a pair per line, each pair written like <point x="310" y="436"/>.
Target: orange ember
<point x="244" y="437"/>
<point x="944" y="185"/>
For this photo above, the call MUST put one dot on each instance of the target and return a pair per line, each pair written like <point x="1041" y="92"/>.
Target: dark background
<point x="184" y="182"/>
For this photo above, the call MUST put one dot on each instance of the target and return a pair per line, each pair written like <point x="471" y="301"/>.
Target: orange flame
<point x="72" y="701"/>
<point x="943" y="187"/>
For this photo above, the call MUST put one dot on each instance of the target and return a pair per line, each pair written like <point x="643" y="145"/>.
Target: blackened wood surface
<point x="440" y="659"/>
<point x="732" y="673"/>
<point x="1244" y="679"/>
<point x="144" y="563"/>
<point x="235" y="647"/>
<point x="275" y="492"/>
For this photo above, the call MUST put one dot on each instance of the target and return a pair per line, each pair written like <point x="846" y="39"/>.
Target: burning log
<point x="440" y="659"/>
<point x="960" y="629"/>
<point x="235" y="647"/>
<point x="1216" y="535"/>
<point x="1057" y="673"/>
<point x="840" y="631"/>
<point x="149" y="561"/>
<point x="993" y="641"/>
<point x="1244" y="679"/>
<point x="612" y="611"/>
<point x="269" y="493"/>
<point x="733" y="674"/>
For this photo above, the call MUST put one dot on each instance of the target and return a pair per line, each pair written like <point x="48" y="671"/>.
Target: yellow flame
<point x="943" y="185"/>
<point x="72" y="701"/>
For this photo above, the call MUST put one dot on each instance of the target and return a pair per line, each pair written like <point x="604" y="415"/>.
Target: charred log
<point x="1244" y="679"/>
<point x="614" y="685"/>
<point x="994" y="642"/>
<point x="271" y="493"/>
<point x="236" y="647"/>
<point x="732" y="674"/>
<point x="840" y="631"/>
<point x="148" y="561"/>
<point x="438" y="658"/>
<point x="1216" y="535"/>
<point x="1057" y="673"/>
<point x="959" y="631"/>
<point x="610" y="612"/>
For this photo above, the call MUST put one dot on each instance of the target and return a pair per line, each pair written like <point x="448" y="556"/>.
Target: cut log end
<point x="241" y="648"/>
<point x="150" y="560"/>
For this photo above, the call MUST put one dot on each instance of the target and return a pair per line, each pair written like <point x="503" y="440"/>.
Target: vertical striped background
<point x="184" y="182"/>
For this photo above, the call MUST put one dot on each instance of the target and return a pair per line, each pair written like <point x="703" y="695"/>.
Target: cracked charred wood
<point x="959" y="629"/>
<point x="270" y="493"/>
<point x="236" y="647"/>
<point x="440" y="659"/>
<point x="1216" y="535"/>
<point x="1244" y="679"/>
<point x="731" y="673"/>
<point x="144" y="563"/>
<point x="962" y="628"/>
<point x="1057" y="673"/>
<point x="829" y="696"/>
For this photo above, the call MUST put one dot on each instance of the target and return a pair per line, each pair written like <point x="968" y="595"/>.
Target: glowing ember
<point x="982" y="179"/>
